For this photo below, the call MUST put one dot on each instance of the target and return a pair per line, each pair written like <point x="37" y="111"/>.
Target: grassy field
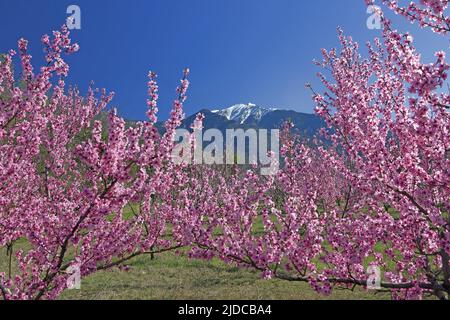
<point x="170" y="276"/>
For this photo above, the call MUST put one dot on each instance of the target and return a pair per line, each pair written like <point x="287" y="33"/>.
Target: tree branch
<point x="134" y="255"/>
<point x="385" y="285"/>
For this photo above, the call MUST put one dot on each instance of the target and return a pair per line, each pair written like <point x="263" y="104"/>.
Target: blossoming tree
<point x="78" y="195"/>
<point x="393" y="124"/>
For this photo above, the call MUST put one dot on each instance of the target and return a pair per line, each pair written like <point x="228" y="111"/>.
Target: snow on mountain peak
<point x="243" y="112"/>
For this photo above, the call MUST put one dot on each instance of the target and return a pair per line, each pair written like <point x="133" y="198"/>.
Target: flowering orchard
<point x="374" y="204"/>
<point x="370" y="194"/>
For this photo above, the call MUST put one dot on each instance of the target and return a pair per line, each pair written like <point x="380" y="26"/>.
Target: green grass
<point x="170" y="276"/>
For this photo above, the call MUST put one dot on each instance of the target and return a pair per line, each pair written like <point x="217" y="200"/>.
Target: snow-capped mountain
<point x="248" y="116"/>
<point x="244" y="113"/>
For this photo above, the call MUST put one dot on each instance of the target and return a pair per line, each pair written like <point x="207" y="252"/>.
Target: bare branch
<point x="134" y="255"/>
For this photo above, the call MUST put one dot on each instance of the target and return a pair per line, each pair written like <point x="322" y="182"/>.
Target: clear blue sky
<point x="256" y="51"/>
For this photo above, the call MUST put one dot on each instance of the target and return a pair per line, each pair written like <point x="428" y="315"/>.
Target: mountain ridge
<point x="251" y="116"/>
